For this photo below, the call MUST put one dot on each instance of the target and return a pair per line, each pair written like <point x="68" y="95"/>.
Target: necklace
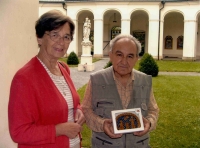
<point x="59" y="81"/>
<point x="63" y="87"/>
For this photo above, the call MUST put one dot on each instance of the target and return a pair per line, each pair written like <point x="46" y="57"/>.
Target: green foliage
<point x="142" y="52"/>
<point x="86" y="132"/>
<point x="148" y="65"/>
<point x="63" y="59"/>
<point x="92" y="50"/>
<point x="178" y="98"/>
<point x="95" y="59"/>
<point x="108" y="65"/>
<point x="72" y="59"/>
<point x="178" y="66"/>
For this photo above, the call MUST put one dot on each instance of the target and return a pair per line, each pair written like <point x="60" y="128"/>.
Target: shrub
<point x="108" y="65"/>
<point x="92" y="50"/>
<point x="148" y="65"/>
<point x="142" y="52"/>
<point x="72" y="59"/>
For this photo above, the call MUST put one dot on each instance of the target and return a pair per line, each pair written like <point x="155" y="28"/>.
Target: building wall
<point x="138" y="16"/>
<point x="46" y="7"/>
<point x="100" y="11"/>
<point x="17" y="46"/>
<point x="198" y="37"/>
<point x="189" y="11"/>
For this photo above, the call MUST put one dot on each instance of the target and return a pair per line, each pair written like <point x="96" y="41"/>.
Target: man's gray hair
<point x="128" y="36"/>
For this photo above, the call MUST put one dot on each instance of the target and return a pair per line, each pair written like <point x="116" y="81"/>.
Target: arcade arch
<point x="111" y="27"/>
<point x="139" y="28"/>
<point x="174" y="28"/>
<point x="81" y="19"/>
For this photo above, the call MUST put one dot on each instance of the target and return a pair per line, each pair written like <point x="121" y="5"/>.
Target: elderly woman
<point x="44" y="107"/>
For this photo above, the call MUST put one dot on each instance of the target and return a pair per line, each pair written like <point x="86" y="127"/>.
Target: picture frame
<point x="127" y="121"/>
<point x="180" y="42"/>
<point x="168" y="42"/>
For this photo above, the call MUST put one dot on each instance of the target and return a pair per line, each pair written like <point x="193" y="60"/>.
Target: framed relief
<point x="180" y="42"/>
<point x="115" y="31"/>
<point x="127" y="121"/>
<point x="140" y="35"/>
<point x="168" y="42"/>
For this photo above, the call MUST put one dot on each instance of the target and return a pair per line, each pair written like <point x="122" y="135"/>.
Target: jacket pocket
<point x="101" y="142"/>
<point x="103" y="108"/>
<point x="143" y="143"/>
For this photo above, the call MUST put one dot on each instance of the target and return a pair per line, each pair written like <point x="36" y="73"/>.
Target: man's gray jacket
<point x="105" y="98"/>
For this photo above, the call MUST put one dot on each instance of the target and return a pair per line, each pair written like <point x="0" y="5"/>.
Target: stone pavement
<point x="81" y="78"/>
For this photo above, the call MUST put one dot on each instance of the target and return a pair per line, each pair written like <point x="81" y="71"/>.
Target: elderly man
<point x="120" y="87"/>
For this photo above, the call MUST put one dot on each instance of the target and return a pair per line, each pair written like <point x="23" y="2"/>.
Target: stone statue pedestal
<point x="86" y="57"/>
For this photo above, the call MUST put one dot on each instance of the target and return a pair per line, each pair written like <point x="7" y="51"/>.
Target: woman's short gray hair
<point x="128" y="36"/>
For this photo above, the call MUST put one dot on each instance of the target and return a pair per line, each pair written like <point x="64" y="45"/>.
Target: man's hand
<point x="146" y="128"/>
<point x="108" y="129"/>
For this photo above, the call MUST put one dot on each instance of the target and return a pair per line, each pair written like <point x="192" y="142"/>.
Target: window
<point x="140" y="35"/>
<point x="115" y="31"/>
<point x="180" y="42"/>
<point x="168" y="42"/>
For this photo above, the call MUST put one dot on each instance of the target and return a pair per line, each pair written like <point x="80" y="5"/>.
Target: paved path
<point x="81" y="78"/>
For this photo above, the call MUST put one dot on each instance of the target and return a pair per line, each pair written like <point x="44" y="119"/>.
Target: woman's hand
<point x="69" y="129"/>
<point x="79" y="117"/>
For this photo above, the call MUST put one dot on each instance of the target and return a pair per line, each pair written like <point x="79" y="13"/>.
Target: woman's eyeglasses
<point x="56" y="37"/>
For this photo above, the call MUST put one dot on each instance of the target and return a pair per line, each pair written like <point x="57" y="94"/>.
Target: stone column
<point x="189" y="40"/>
<point x="125" y="26"/>
<point x="98" y="38"/>
<point x="73" y="45"/>
<point x="161" y="39"/>
<point x="153" y="38"/>
<point x="18" y="45"/>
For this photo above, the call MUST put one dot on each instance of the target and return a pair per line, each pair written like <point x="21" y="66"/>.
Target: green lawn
<point x="164" y="65"/>
<point x="178" y="98"/>
<point x="176" y="66"/>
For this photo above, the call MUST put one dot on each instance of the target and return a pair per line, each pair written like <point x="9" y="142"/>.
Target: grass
<point x="176" y="66"/>
<point x="178" y="98"/>
<point x="86" y="132"/>
<point x="164" y="65"/>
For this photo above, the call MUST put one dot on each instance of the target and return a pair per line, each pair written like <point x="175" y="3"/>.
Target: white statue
<point x="86" y="29"/>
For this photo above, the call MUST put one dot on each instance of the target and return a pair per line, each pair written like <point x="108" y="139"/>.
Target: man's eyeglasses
<point x="56" y="37"/>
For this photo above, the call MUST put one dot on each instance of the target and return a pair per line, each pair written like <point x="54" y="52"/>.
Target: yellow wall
<point x="17" y="46"/>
